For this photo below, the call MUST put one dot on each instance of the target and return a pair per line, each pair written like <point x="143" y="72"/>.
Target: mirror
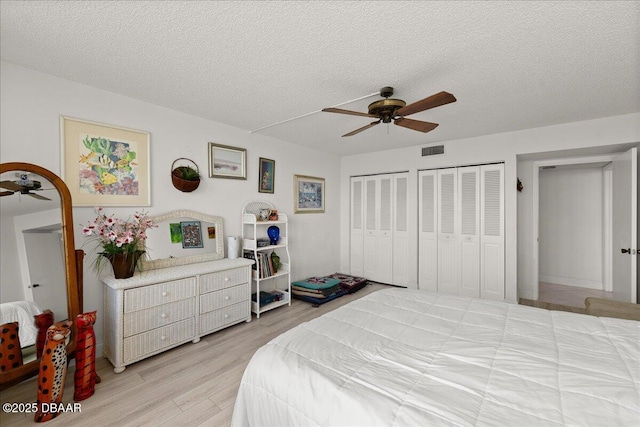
<point x="39" y="261"/>
<point x="183" y="237"/>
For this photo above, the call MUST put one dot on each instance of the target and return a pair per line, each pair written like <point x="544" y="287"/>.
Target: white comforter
<point x="21" y="312"/>
<point x="408" y="358"/>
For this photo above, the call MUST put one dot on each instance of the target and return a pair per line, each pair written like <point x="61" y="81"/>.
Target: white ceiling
<point x="511" y="65"/>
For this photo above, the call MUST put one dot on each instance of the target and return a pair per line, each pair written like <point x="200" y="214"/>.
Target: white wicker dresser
<point x="160" y="309"/>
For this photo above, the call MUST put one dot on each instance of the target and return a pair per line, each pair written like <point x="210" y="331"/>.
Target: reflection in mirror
<point x="183" y="237"/>
<point x="37" y="258"/>
<point x="32" y="254"/>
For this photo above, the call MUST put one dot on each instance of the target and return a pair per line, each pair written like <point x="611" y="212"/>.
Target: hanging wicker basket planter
<point x="185" y="178"/>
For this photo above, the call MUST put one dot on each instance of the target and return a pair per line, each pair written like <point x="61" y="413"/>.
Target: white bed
<point x="408" y="358"/>
<point x="21" y="312"/>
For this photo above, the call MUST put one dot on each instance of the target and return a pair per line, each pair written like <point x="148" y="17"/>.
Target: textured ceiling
<point x="511" y="65"/>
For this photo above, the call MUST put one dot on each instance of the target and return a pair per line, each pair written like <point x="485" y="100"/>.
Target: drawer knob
<point x="162" y="338"/>
<point x="164" y="294"/>
<point x="226" y="316"/>
<point x="163" y="315"/>
<point x="227" y="297"/>
<point x="226" y="279"/>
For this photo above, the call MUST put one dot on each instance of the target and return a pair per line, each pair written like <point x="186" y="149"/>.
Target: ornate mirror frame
<point x="72" y="271"/>
<point x="151" y="264"/>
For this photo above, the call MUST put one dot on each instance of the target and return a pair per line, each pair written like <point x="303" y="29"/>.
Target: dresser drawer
<point x="162" y="293"/>
<point x="225" y="316"/>
<point x="151" y="318"/>
<point x="143" y="344"/>
<point x="218" y="299"/>
<point x="223" y="279"/>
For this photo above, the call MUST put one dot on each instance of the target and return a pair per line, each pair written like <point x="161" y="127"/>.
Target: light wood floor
<point x="191" y="385"/>
<point x="568" y="295"/>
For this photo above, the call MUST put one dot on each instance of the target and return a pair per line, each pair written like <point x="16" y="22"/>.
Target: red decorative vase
<point x="124" y="264"/>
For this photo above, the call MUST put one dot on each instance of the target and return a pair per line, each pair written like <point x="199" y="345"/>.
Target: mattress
<point x="408" y="358"/>
<point x="21" y="312"/>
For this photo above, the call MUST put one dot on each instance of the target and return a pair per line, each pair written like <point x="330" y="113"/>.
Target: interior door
<point x="469" y="226"/>
<point x="356" y="261"/>
<point x="370" y="226"/>
<point x="427" y="231"/>
<point x="625" y="223"/>
<point x="448" y="235"/>
<point x="384" y="238"/>
<point x="400" y="229"/>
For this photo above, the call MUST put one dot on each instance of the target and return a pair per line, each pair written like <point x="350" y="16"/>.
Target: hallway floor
<point x="568" y="295"/>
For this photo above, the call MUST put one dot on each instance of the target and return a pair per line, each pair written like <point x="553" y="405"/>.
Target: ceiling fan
<point x="23" y="186"/>
<point x="386" y="110"/>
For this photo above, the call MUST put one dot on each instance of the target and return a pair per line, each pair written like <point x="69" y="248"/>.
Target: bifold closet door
<point x="492" y="277"/>
<point x="469" y="226"/>
<point x="400" y="233"/>
<point x="427" y="230"/>
<point x="356" y="257"/>
<point x="378" y="241"/>
<point x="448" y="235"/>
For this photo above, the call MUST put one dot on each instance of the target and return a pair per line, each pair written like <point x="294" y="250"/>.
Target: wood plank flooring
<point x="568" y="295"/>
<point x="191" y="385"/>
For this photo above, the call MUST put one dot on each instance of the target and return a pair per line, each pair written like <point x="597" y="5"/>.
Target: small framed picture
<point x="227" y="162"/>
<point x="191" y="234"/>
<point x="308" y="194"/>
<point x="266" y="173"/>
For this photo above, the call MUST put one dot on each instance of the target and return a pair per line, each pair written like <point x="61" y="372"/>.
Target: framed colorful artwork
<point x="227" y="162"/>
<point x="191" y="234"/>
<point x="105" y="165"/>
<point x="266" y="175"/>
<point x="308" y="194"/>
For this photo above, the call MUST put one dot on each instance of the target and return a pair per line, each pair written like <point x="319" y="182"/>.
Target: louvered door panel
<point x="356" y="261"/>
<point x="384" y="235"/>
<point x="371" y="220"/>
<point x="448" y="242"/>
<point x="469" y="226"/>
<point x="400" y="229"/>
<point x="492" y="275"/>
<point x="427" y="235"/>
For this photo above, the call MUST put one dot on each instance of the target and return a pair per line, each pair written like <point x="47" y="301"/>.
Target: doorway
<point x="575" y="229"/>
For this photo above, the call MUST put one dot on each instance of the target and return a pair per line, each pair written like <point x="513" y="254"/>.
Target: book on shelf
<point x="263" y="264"/>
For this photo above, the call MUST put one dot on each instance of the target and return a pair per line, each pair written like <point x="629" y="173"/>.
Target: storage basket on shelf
<point x="185" y="178"/>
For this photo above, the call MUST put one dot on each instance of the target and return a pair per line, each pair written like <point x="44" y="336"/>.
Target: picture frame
<point x="266" y="175"/>
<point x="308" y="194"/>
<point x="105" y="165"/>
<point x="226" y="161"/>
<point x="191" y="234"/>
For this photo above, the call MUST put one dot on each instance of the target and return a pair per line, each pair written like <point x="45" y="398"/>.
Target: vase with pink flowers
<point x="121" y="241"/>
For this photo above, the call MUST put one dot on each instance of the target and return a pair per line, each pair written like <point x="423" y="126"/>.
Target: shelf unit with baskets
<point x="276" y="286"/>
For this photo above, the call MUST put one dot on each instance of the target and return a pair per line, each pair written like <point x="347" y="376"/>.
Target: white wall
<point x="504" y="147"/>
<point x="31" y="104"/>
<point x="571" y="227"/>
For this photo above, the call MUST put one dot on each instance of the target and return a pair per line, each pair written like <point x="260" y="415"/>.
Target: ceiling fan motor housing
<point x="386" y="108"/>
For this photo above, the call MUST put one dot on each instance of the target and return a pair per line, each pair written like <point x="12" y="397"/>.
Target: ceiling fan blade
<point x="416" y="124"/>
<point x="10" y="185"/>
<point x="353" y="113"/>
<point x="37" y="196"/>
<point x="432" y="101"/>
<point x="6" y="193"/>
<point x="372" y="124"/>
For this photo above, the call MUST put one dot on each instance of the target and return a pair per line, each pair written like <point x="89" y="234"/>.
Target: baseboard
<point x="570" y="281"/>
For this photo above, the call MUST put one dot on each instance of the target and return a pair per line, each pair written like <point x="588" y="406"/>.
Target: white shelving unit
<point x="252" y="230"/>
